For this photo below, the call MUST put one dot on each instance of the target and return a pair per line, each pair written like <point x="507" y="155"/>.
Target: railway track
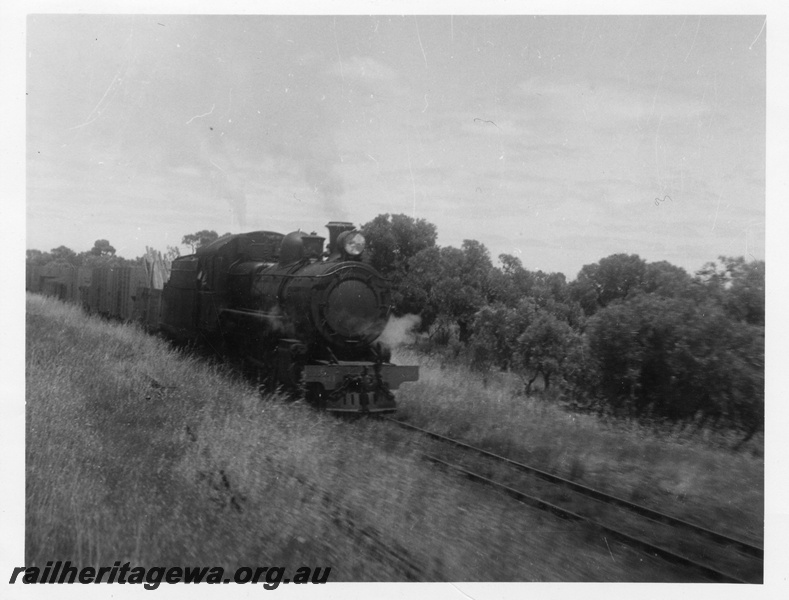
<point x="715" y="556"/>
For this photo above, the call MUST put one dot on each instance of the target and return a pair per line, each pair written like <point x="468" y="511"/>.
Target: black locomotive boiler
<point x="296" y="315"/>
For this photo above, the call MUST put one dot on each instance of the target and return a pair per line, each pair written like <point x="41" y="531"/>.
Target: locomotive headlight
<point x="353" y="244"/>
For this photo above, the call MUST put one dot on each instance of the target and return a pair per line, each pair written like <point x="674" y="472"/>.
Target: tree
<point x="94" y="261"/>
<point x="393" y="239"/>
<point x="457" y="301"/>
<point x="612" y="278"/>
<point x="477" y="268"/>
<point x="681" y="359"/>
<point x="447" y="285"/>
<point x="102" y="248"/>
<point x="510" y="282"/>
<point x="495" y="333"/>
<point x="669" y="281"/>
<point x="543" y="348"/>
<point x="738" y="286"/>
<point x="172" y="253"/>
<point x="37" y="257"/>
<point x="746" y="298"/>
<point x="200" y="239"/>
<point x="525" y="339"/>
<point x="470" y="287"/>
<point x="63" y="254"/>
<point x="413" y="293"/>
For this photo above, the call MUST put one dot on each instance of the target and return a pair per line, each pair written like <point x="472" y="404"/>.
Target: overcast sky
<point x="559" y="139"/>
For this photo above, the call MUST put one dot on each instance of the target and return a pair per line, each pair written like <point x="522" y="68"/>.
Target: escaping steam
<point x="320" y="157"/>
<point x="399" y="331"/>
<point x="278" y="322"/>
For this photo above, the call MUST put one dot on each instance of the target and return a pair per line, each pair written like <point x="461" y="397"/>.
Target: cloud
<point x="606" y="104"/>
<point x="364" y="68"/>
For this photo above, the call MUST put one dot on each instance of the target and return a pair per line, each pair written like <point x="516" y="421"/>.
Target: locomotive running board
<point x="330" y="376"/>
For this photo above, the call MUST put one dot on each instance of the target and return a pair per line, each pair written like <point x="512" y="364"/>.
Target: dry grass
<point x="694" y="475"/>
<point x="137" y="452"/>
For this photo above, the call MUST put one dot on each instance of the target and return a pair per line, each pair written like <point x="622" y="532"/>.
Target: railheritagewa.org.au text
<point x="151" y="577"/>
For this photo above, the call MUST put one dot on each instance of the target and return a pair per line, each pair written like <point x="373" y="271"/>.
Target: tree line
<point x="102" y="254"/>
<point x="626" y="336"/>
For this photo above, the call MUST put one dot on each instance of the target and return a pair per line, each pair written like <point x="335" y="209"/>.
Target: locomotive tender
<point x="291" y="312"/>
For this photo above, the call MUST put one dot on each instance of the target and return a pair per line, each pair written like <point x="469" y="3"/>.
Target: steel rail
<point x="711" y="573"/>
<point x="654" y="515"/>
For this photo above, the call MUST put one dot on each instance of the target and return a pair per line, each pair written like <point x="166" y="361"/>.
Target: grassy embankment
<point x="136" y="452"/>
<point x="688" y="473"/>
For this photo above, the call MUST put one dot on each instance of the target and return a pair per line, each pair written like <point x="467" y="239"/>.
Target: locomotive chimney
<point x="335" y="229"/>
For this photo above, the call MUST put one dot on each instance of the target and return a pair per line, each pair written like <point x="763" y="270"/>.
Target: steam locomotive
<point x="292" y="313"/>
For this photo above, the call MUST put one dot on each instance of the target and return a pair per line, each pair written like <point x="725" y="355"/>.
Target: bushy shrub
<point x="676" y="358"/>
